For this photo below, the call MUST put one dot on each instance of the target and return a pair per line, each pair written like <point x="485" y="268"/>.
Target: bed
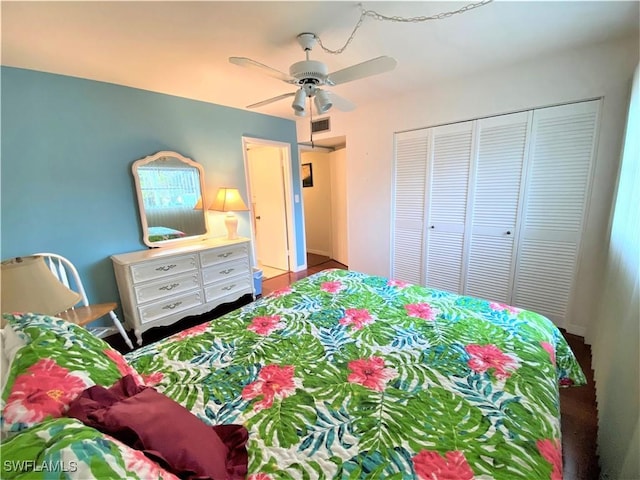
<point x="340" y="375"/>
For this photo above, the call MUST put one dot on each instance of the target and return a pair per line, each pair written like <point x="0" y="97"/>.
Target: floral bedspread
<point x="345" y="375"/>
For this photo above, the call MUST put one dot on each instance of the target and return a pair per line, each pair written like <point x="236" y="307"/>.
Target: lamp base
<point x="231" y="222"/>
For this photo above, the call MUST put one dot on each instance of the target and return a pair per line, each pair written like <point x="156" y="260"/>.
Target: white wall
<point x="339" y="217"/>
<point x="615" y="333"/>
<point x="602" y="70"/>
<point x="317" y="204"/>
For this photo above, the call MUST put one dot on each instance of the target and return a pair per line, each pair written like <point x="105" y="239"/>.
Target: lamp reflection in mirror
<point x="29" y="286"/>
<point x="229" y="200"/>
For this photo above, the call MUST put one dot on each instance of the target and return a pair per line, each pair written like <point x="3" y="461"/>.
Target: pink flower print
<point x="123" y="367"/>
<point x="152" y="379"/>
<point x="430" y="465"/>
<point x="485" y="357"/>
<point x="503" y="306"/>
<point x="265" y="325"/>
<point x="397" y="283"/>
<point x="370" y="373"/>
<point x="273" y="382"/>
<point x="421" y="310"/>
<point x="44" y="390"/>
<point x="331" y="287"/>
<point x="551" y="450"/>
<point x="358" y="317"/>
<point x="550" y="350"/>
<point x="142" y="466"/>
<point x="259" y="476"/>
<point x="281" y="292"/>
<point x="192" y="332"/>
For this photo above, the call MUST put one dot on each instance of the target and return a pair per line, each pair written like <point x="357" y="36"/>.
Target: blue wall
<point x="67" y="149"/>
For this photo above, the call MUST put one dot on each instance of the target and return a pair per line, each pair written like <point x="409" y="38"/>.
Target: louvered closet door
<point x="558" y="185"/>
<point x="496" y="191"/>
<point x="409" y="194"/>
<point x="447" y="205"/>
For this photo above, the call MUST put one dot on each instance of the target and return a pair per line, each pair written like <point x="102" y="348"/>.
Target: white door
<point x="558" y="186"/>
<point x="496" y="192"/>
<point x="266" y="180"/>
<point x="339" y="221"/>
<point x="409" y="183"/>
<point x="447" y="205"/>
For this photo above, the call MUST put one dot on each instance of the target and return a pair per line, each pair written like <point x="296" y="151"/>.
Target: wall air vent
<point x="321" y="125"/>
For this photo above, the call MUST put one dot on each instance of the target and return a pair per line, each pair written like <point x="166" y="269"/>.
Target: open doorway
<point x="268" y="167"/>
<point x="325" y="204"/>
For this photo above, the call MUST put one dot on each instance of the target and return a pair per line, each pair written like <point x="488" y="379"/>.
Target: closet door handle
<point x="432" y="227"/>
<point x="508" y="232"/>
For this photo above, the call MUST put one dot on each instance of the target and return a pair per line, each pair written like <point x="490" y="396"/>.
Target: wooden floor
<point x="577" y="404"/>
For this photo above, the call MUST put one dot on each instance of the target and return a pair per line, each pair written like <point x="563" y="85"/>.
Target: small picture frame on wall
<point x="307" y="175"/>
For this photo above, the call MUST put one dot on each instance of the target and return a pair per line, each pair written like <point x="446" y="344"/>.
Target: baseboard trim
<point x="578" y="330"/>
<point x="319" y="252"/>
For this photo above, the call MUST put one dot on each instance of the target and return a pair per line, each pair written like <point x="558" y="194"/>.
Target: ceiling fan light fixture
<point x="322" y="101"/>
<point x="299" y="101"/>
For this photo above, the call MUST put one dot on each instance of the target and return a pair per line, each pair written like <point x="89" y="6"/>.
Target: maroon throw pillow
<point x="167" y="432"/>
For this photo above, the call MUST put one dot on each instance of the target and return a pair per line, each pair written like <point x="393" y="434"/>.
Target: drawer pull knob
<point x="227" y="271"/>
<point x="224" y="255"/>
<point x="169" y="287"/>
<point x="166" y="268"/>
<point x="171" y="306"/>
<point x="228" y="287"/>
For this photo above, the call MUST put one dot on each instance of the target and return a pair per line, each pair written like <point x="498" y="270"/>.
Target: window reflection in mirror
<point x="170" y="196"/>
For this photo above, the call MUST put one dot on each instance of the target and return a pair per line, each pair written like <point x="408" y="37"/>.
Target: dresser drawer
<point x="225" y="270"/>
<point x="228" y="287"/>
<point x="219" y="255"/>
<point x="174" y="285"/>
<point x="155" y="311"/>
<point x="142" y="272"/>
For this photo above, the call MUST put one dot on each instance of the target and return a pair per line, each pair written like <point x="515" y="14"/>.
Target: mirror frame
<point x="143" y="216"/>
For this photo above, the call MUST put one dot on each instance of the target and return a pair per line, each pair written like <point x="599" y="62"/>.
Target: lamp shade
<point x="228" y="200"/>
<point x="29" y="286"/>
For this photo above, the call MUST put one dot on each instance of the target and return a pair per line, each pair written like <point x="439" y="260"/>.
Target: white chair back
<point x="63" y="269"/>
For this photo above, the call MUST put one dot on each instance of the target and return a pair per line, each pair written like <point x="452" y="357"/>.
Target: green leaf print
<point x="186" y="386"/>
<point x="447" y="421"/>
<point x="281" y="424"/>
<point x="380" y="418"/>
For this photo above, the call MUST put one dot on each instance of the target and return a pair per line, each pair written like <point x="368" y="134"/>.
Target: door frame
<point x="287" y="180"/>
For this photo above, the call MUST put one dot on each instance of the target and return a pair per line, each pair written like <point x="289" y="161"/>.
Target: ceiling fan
<point x="311" y="75"/>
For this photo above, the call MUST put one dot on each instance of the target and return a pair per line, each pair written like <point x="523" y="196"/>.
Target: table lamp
<point x="29" y="286"/>
<point x="229" y="200"/>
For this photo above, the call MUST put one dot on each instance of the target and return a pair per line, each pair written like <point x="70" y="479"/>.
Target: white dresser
<point x="163" y="285"/>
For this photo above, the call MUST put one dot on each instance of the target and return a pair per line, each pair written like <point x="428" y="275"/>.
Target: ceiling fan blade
<point x="272" y="72"/>
<point x="271" y="100"/>
<point x="362" y="70"/>
<point x="341" y="103"/>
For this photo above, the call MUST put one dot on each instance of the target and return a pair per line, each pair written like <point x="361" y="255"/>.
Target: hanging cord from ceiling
<point x="379" y="16"/>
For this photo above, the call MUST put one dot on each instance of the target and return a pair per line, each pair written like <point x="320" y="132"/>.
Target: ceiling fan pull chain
<point x="379" y="16"/>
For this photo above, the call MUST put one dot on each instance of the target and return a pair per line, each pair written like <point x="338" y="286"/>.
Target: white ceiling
<point x="182" y="48"/>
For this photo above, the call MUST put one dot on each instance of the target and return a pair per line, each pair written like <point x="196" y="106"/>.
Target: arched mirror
<point x="170" y="191"/>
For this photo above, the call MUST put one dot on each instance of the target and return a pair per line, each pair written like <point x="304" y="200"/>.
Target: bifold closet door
<point x="496" y="195"/>
<point x="447" y="189"/>
<point x="557" y="188"/>
<point x="411" y="149"/>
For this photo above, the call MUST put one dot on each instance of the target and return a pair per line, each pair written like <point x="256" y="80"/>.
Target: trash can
<point x="257" y="281"/>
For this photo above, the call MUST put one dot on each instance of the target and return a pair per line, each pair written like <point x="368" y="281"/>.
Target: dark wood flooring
<point x="577" y="404"/>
